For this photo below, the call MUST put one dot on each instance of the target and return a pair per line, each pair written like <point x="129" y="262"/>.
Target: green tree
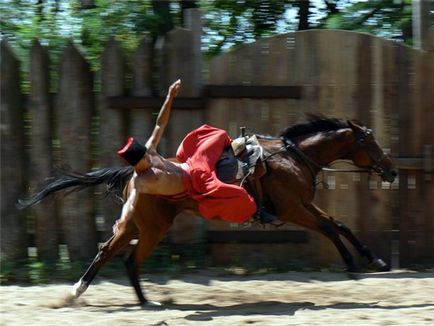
<point x="90" y="24"/>
<point x="228" y="23"/>
<point x="385" y="18"/>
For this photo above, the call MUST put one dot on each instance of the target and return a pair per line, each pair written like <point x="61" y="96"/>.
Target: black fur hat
<point x="133" y="151"/>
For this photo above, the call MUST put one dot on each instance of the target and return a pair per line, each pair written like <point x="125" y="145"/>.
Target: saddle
<point x="243" y="161"/>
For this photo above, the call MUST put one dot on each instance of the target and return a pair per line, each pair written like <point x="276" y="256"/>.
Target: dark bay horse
<point x="293" y="161"/>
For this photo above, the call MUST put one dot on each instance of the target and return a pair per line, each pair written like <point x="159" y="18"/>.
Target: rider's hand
<point x="174" y="89"/>
<point x="118" y="224"/>
<point x="115" y="227"/>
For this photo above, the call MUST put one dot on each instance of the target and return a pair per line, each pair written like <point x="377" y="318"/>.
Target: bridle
<point x="361" y="141"/>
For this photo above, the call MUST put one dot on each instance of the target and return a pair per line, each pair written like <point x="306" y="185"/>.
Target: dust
<point x="67" y="301"/>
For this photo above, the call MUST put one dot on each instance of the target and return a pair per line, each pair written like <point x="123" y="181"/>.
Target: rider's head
<point x="133" y="152"/>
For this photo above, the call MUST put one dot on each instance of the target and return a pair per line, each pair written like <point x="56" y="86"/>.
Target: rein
<point x="289" y="145"/>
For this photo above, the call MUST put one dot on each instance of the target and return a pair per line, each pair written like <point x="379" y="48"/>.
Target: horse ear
<point x="353" y="124"/>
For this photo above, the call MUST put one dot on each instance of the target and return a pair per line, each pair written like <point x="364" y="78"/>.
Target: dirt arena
<point x="205" y="298"/>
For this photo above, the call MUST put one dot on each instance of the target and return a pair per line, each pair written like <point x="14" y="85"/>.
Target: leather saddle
<point x="241" y="160"/>
<point x="244" y="161"/>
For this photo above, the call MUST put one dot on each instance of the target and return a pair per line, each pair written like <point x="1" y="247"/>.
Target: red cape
<point x="201" y="149"/>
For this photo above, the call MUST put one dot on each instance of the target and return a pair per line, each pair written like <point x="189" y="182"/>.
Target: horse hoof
<point x="379" y="265"/>
<point x="78" y="289"/>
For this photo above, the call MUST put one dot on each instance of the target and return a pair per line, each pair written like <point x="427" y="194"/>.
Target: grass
<point x="34" y="271"/>
<point x="164" y="260"/>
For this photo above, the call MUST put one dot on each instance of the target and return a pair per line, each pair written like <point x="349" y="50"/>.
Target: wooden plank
<point x="413" y="163"/>
<point x="181" y="60"/>
<point x="284" y="236"/>
<point x="252" y="91"/>
<point x="141" y="122"/>
<point x="113" y="133"/>
<point x="74" y="116"/>
<point x="144" y="102"/>
<point x="13" y="226"/>
<point x="209" y="92"/>
<point x="41" y="157"/>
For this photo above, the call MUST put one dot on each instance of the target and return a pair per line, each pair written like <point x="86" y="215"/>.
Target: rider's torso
<point x="163" y="177"/>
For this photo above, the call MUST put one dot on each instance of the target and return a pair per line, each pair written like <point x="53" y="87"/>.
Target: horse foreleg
<point x="106" y="252"/>
<point x="361" y="248"/>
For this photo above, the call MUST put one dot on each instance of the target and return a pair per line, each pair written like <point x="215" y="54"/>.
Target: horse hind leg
<point x="363" y="250"/>
<point x="133" y="276"/>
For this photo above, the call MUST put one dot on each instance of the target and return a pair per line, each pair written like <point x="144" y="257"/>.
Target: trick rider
<point x="193" y="176"/>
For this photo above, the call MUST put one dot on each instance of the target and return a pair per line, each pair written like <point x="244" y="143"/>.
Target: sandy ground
<point x="393" y="298"/>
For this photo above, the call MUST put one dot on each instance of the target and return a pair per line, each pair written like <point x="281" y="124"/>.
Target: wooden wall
<point x="348" y="75"/>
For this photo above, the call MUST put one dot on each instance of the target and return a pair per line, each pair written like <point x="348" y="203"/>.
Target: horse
<point x="293" y="161"/>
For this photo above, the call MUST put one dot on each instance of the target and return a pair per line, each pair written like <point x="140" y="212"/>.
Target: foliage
<point x="162" y="260"/>
<point x="55" y="22"/>
<point x="384" y="18"/>
<point x="226" y="22"/>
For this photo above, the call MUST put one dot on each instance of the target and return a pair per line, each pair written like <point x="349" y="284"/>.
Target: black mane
<point x="316" y="123"/>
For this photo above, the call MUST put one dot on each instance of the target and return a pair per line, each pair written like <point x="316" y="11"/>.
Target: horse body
<point x="288" y="187"/>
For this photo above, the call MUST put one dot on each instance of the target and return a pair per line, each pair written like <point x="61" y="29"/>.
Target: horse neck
<point x="324" y="148"/>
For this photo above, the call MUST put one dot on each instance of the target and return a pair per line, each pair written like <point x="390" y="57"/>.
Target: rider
<point x="194" y="176"/>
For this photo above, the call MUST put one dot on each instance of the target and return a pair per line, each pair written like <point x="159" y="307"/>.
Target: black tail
<point x="116" y="179"/>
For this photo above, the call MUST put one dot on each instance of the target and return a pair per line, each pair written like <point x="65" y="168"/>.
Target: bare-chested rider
<point x="194" y="175"/>
<point x="153" y="174"/>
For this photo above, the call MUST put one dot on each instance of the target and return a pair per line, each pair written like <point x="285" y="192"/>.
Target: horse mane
<point x="316" y="123"/>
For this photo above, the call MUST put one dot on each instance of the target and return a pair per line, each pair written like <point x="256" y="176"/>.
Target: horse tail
<point x="115" y="178"/>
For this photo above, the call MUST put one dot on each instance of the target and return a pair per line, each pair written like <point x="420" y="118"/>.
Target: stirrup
<point x="263" y="217"/>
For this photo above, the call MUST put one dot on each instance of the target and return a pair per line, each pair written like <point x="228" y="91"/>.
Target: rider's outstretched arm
<point x="163" y="116"/>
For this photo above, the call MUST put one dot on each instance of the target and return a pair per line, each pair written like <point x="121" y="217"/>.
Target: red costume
<point x="201" y="149"/>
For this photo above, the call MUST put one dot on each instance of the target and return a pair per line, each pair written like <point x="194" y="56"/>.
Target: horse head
<point x="366" y="153"/>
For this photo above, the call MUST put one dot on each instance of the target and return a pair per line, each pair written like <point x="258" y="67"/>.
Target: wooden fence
<point x="266" y="86"/>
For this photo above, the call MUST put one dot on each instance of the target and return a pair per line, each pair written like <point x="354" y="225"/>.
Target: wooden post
<point x="429" y="145"/>
<point x="112" y="134"/>
<point x="13" y="231"/>
<point x="193" y="22"/>
<point x="46" y="232"/>
<point x="421" y="23"/>
<point x="424" y="97"/>
<point x="182" y="57"/>
<point x="141" y="122"/>
<point x="406" y="148"/>
<point x="74" y="114"/>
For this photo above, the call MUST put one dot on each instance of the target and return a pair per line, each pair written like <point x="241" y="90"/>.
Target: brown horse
<point x="293" y="161"/>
